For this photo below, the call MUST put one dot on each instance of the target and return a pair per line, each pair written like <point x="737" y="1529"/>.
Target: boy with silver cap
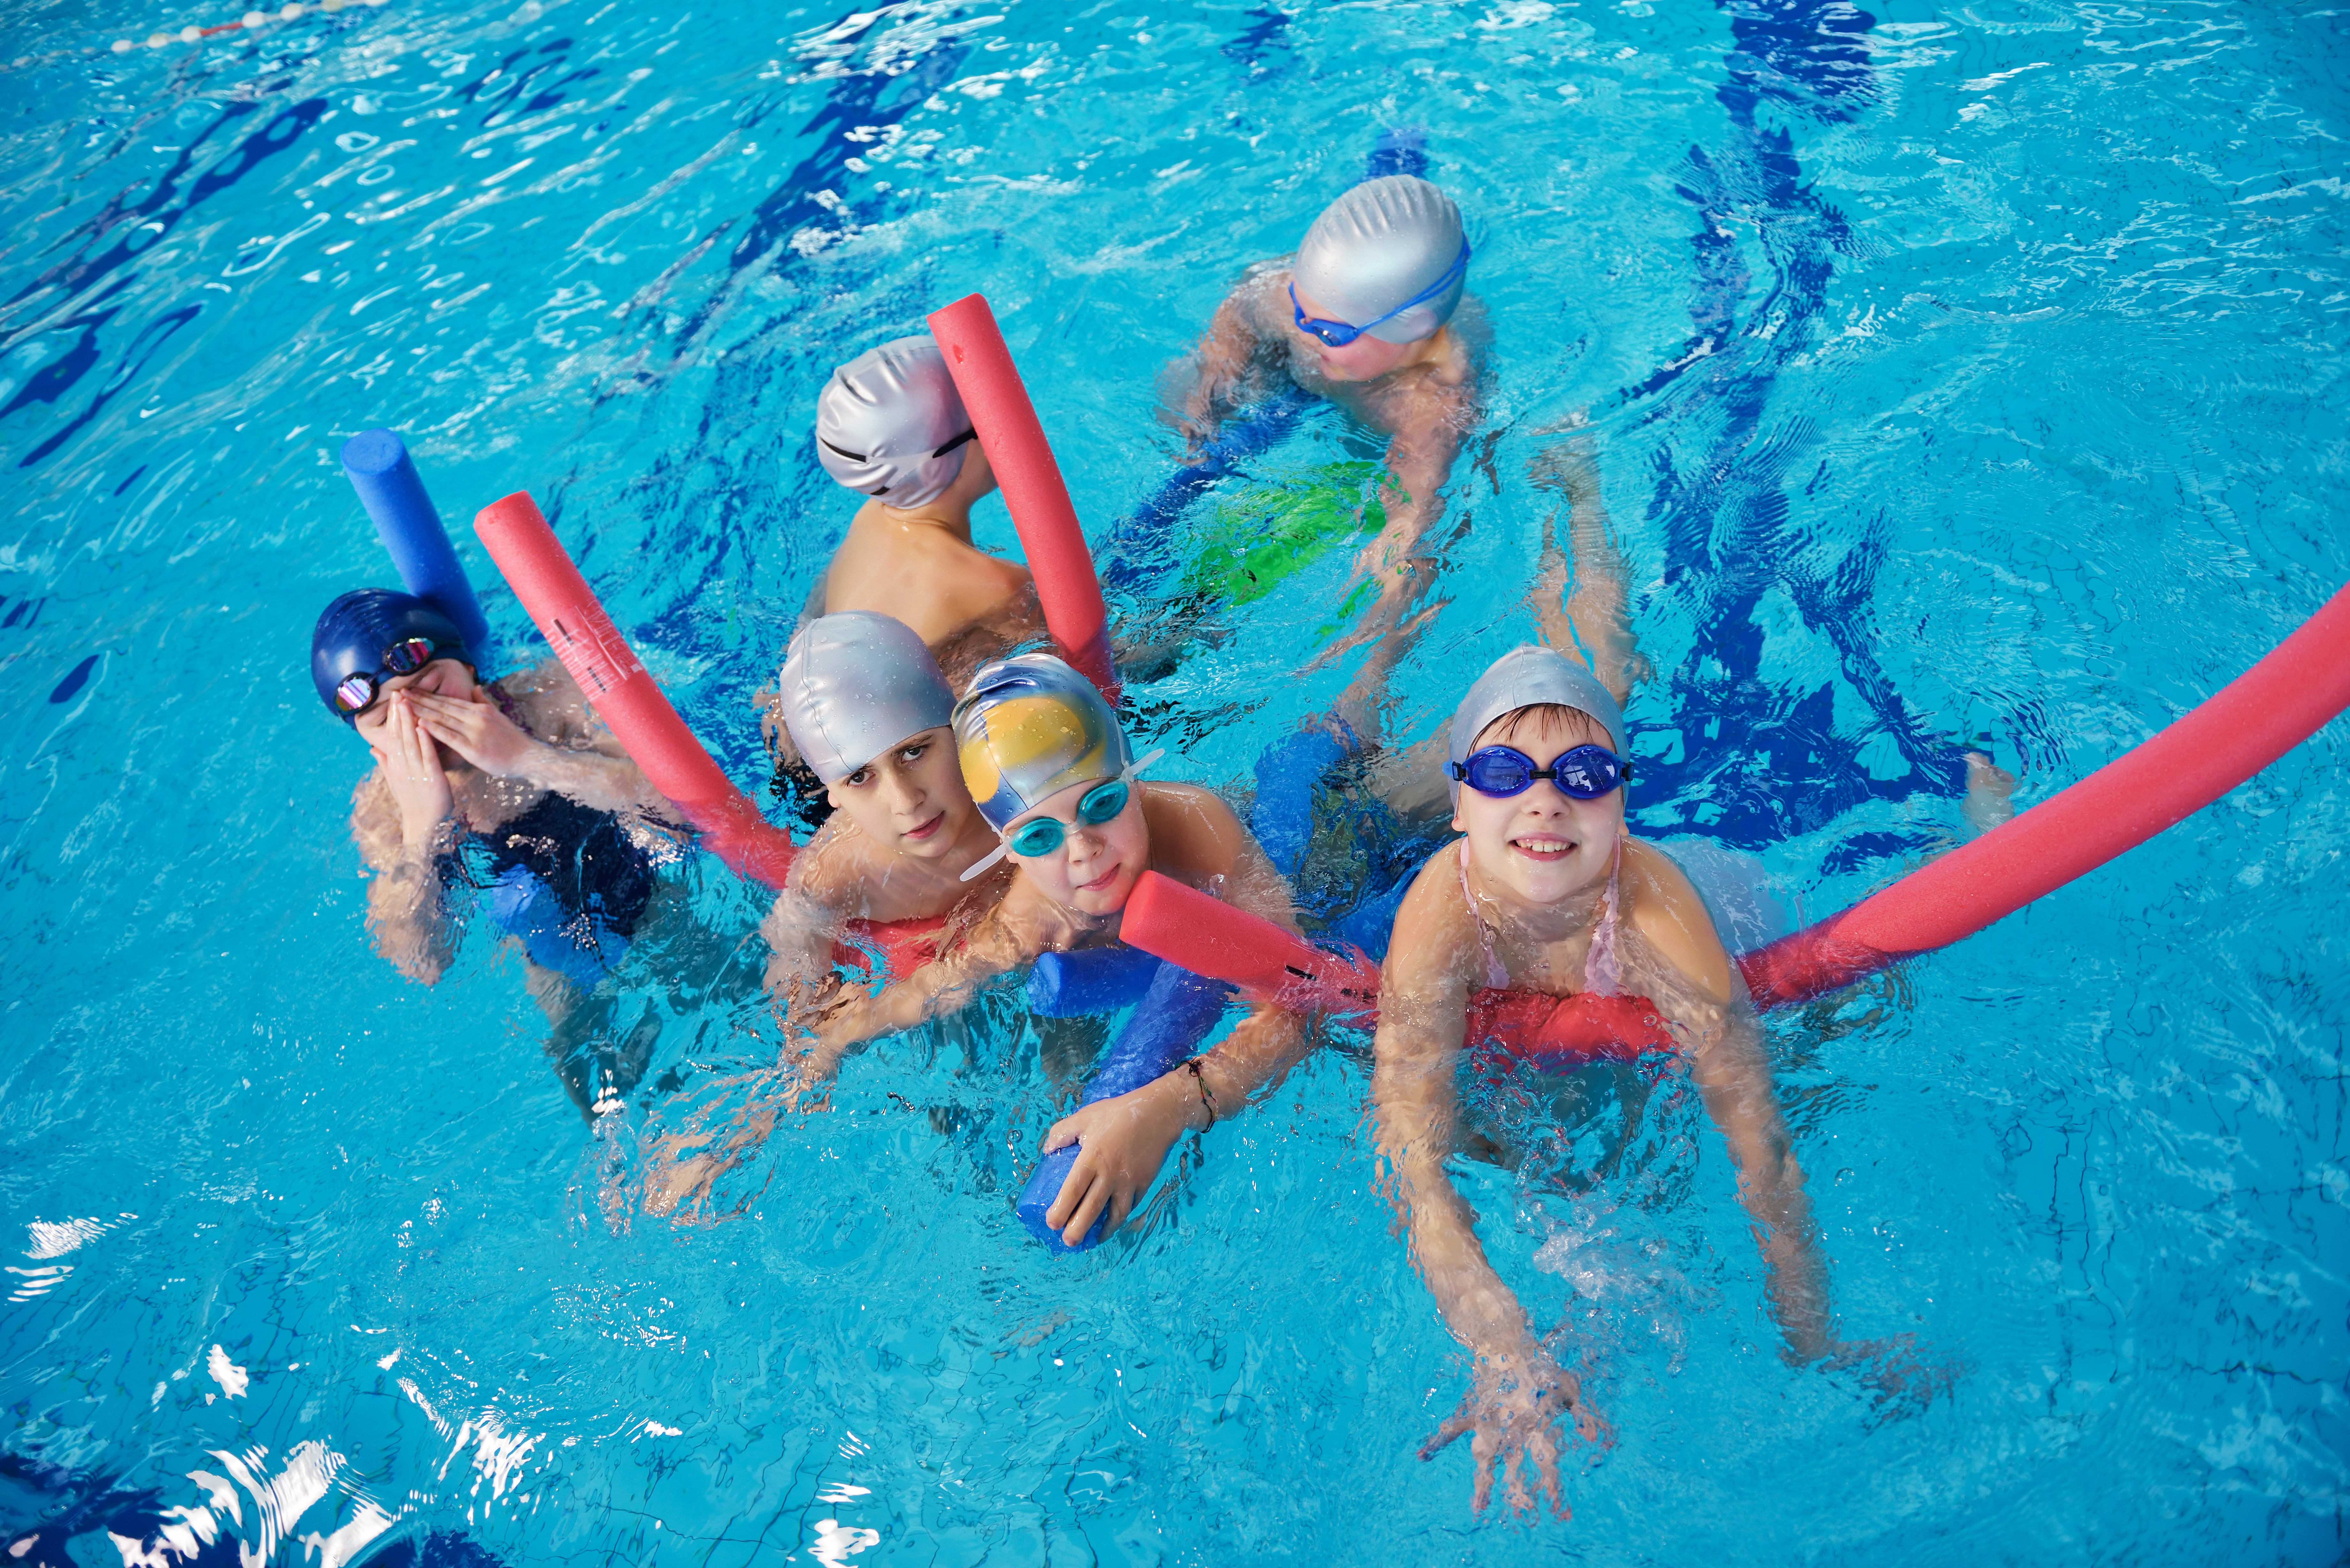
<point x="891" y="426"/>
<point x="1043" y="756"/>
<point x="1362" y="315"/>
<point x="889" y="878"/>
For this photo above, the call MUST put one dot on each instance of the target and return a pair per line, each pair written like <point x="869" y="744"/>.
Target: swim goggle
<point x="1041" y="835"/>
<point x="1587" y="773"/>
<point x="1339" y="334"/>
<point x="356" y="694"/>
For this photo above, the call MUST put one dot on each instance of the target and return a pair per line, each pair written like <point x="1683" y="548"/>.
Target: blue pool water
<point x="1949" y="372"/>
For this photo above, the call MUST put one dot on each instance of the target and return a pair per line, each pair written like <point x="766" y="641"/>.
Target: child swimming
<point x="513" y="782"/>
<point x="865" y="704"/>
<point x="1363" y="314"/>
<point x="891" y="426"/>
<point x="880" y="887"/>
<point x="1053" y="776"/>
<point x="1551" y="923"/>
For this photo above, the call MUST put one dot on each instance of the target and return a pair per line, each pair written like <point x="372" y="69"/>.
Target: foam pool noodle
<point x="378" y="467"/>
<point x="1173" y="1016"/>
<point x="624" y="695"/>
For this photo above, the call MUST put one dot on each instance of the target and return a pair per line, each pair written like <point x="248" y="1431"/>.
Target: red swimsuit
<point x="903" y="946"/>
<point x="1559" y="1033"/>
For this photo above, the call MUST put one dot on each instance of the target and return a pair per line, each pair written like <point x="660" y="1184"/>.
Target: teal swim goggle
<point x="1040" y="836"/>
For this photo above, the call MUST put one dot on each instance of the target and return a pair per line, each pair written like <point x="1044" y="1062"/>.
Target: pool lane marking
<point x="252" y="21"/>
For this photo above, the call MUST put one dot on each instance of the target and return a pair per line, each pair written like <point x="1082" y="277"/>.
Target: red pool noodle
<point x="1194" y="930"/>
<point x="2257" y="717"/>
<point x="2265" y="712"/>
<point x="629" y="700"/>
<point x="997" y="402"/>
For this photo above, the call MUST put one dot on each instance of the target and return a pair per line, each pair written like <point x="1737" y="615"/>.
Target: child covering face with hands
<point x="511" y="784"/>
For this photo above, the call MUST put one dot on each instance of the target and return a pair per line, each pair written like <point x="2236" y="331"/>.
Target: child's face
<point x="910" y="800"/>
<point x="1541" y="846"/>
<point x="441" y="678"/>
<point x="1094" y="870"/>
<point x="1366" y="357"/>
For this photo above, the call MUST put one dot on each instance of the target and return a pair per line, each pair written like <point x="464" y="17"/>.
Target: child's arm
<point x="999" y="943"/>
<point x="1222" y="365"/>
<point x="400" y="816"/>
<point x="1675" y="959"/>
<point x="1195" y="837"/>
<point x="1580" y="604"/>
<point x="1518" y="1389"/>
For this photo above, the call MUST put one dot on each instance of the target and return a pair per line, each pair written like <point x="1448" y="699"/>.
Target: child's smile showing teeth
<point x="1543" y="846"/>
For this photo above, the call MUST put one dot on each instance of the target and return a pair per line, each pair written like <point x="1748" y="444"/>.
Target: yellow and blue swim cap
<point x="1029" y="726"/>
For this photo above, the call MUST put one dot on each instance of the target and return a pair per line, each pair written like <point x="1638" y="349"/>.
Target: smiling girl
<point x="1551" y="929"/>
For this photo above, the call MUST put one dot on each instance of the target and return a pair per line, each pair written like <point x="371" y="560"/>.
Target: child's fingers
<point x="1074" y="1187"/>
<point x="1060" y="1135"/>
<point x="1073" y="1234"/>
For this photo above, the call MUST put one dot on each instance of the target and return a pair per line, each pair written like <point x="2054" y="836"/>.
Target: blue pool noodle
<point x="1093" y="980"/>
<point x="1175" y="1014"/>
<point x="378" y="465"/>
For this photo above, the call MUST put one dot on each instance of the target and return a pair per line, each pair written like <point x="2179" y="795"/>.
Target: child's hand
<point x="1125" y="1142"/>
<point x="1514" y="1399"/>
<point x="1991" y="793"/>
<point x="1901" y="1381"/>
<point x="412" y="766"/>
<point x="477" y="729"/>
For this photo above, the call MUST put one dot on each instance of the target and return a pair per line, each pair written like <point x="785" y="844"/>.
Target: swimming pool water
<point x="1948" y="373"/>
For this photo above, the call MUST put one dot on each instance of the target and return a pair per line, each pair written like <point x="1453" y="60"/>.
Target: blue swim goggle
<point x="1339" y="334"/>
<point x="357" y="693"/>
<point x="1587" y="773"/>
<point x="1041" y="835"/>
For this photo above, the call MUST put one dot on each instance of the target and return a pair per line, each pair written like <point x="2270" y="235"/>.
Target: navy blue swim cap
<point x="355" y="631"/>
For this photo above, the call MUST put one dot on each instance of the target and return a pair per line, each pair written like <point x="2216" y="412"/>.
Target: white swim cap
<point x="854" y="685"/>
<point x="1525" y="676"/>
<point x="889" y="423"/>
<point x="1376" y="246"/>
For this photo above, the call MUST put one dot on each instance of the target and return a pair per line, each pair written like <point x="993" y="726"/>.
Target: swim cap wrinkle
<point x="1527" y="676"/>
<point x="890" y="424"/>
<point x="854" y="684"/>
<point x="1376" y="248"/>
<point x="1031" y="725"/>
<point x="353" y="632"/>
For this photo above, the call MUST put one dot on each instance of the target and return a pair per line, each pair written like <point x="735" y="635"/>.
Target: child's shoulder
<point x="1663" y="905"/>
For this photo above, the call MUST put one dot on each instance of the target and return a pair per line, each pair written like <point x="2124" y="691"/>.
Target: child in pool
<point x="890" y="424"/>
<point x="881" y="884"/>
<point x="1548" y="897"/>
<point x="1363" y="315"/>
<point x="1051" y="775"/>
<point x="866" y="705"/>
<point x="516" y="768"/>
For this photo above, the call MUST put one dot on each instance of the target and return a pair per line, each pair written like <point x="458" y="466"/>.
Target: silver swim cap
<point x="1523" y="677"/>
<point x="890" y="423"/>
<point x="1376" y="246"/>
<point x="854" y="685"/>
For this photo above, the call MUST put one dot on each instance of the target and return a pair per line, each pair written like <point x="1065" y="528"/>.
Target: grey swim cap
<point x="891" y="425"/>
<point x="854" y="685"/>
<point x="1522" y="678"/>
<point x="1376" y="246"/>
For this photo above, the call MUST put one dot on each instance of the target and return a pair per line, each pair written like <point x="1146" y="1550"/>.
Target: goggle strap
<point x="981" y="866"/>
